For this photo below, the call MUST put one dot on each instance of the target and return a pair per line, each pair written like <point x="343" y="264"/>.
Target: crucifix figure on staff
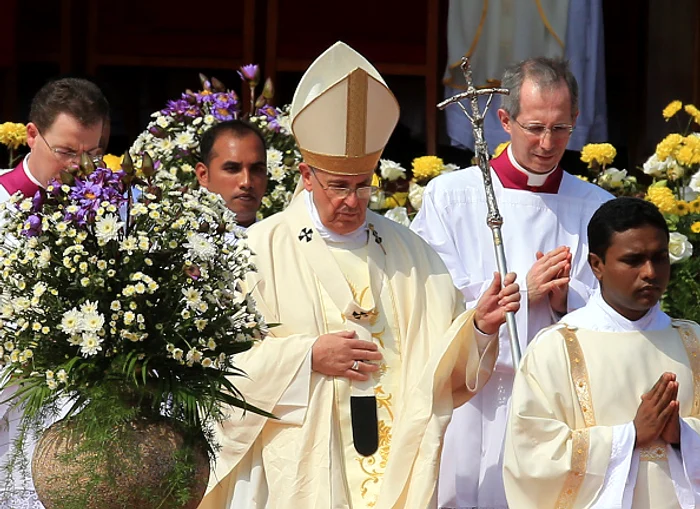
<point x="542" y="233"/>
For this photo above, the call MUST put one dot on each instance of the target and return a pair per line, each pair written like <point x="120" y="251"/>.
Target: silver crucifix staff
<point x="493" y="219"/>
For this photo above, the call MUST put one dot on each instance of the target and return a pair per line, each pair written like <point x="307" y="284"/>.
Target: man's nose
<point x="245" y="180"/>
<point x="546" y="141"/>
<point x="649" y="271"/>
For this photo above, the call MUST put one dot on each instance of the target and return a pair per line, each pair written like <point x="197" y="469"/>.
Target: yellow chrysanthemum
<point x="427" y="167"/>
<point x="673" y="108"/>
<point x="376" y="182"/>
<point x="695" y="227"/>
<point x="500" y="148"/>
<point x="668" y="146"/>
<point x="663" y="198"/>
<point x="682" y="208"/>
<point x="13" y="135"/>
<point x="691" y="110"/>
<point x="689" y="153"/>
<point x="695" y="206"/>
<point x="601" y="153"/>
<point x="113" y="162"/>
<point x="395" y="200"/>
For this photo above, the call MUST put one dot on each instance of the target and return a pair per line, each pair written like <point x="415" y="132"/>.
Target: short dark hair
<point x="619" y="215"/>
<point x="546" y="72"/>
<point x="77" y="97"/>
<point x="237" y="128"/>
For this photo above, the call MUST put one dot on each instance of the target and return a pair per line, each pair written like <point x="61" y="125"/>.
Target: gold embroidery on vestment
<point x="580" y="441"/>
<point x="579" y="375"/>
<point x="656" y="451"/>
<point x="692" y="348"/>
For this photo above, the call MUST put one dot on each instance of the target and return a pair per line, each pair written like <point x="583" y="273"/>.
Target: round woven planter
<point x="133" y="474"/>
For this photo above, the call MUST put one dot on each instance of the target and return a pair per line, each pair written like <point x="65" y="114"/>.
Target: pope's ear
<point x="305" y="171"/>
<point x="597" y="264"/>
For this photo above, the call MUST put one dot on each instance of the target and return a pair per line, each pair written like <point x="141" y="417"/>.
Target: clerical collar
<point x="351" y="240"/>
<point x="533" y="179"/>
<point x="599" y="315"/>
<point x="513" y="175"/>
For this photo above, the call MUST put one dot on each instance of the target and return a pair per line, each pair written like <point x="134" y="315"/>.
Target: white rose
<point x="415" y="195"/>
<point x="391" y="170"/>
<point x="399" y="215"/>
<point x="612" y="178"/>
<point x="694" y="184"/>
<point x="679" y="248"/>
<point x="376" y="201"/>
<point x="656" y="168"/>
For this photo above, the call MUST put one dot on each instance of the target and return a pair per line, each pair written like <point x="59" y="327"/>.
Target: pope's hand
<point x="495" y="302"/>
<point x="335" y="355"/>
<point x="549" y="277"/>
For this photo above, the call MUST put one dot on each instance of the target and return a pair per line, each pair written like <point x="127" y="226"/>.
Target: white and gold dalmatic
<point x="382" y="282"/>
<point x="571" y="438"/>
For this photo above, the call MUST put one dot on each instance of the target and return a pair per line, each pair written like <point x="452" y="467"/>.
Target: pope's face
<point x="636" y="270"/>
<point x="338" y="214"/>
<point x="539" y="107"/>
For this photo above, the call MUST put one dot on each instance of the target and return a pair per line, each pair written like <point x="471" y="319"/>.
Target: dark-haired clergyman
<point x="606" y="404"/>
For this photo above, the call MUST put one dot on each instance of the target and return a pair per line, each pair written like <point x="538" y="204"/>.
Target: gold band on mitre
<point x="342" y="165"/>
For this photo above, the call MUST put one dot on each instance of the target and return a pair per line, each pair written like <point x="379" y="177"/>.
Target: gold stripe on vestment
<point x="580" y="442"/>
<point x="579" y="375"/>
<point x="692" y="348"/>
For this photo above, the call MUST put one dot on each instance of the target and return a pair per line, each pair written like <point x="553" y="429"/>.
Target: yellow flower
<point x="499" y="149"/>
<point x="695" y="227"/>
<point x="601" y="153"/>
<point x="13" y="135"/>
<point x="668" y="146"/>
<point x="581" y="177"/>
<point x="376" y="182"/>
<point x="427" y="167"/>
<point x="395" y="200"/>
<point x="663" y="198"/>
<point x="695" y="206"/>
<point x="691" y="110"/>
<point x="681" y="208"/>
<point x="113" y="162"/>
<point x="673" y="108"/>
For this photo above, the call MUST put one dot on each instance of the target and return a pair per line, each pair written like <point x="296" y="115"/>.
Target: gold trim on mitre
<point x="343" y="113"/>
<point x="342" y="165"/>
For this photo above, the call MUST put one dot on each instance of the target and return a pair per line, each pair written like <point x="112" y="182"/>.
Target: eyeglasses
<point x="559" y="131"/>
<point x="342" y="193"/>
<point x="66" y="156"/>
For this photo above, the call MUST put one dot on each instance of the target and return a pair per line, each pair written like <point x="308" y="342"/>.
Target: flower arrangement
<point x="400" y="193"/>
<point x="599" y="156"/>
<point x="173" y="136"/>
<point x="13" y="136"/>
<point x="118" y="307"/>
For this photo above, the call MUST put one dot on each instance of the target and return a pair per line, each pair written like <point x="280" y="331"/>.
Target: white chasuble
<point x="404" y="301"/>
<point x="575" y="396"/>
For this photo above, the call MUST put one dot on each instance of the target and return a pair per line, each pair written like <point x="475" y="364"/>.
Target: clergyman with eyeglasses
<point x="545" y="212"/>
<point x="67" y="117"/>
<point x="374" y="347"/>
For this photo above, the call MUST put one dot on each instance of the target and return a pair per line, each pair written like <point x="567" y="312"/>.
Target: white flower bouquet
<point x="118" y="307"/>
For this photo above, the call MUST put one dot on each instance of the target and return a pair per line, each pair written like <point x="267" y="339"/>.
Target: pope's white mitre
<point x="343" y="113"/>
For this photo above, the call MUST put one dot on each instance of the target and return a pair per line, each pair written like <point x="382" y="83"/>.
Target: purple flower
<point x="251" y="73"/>
<point x="32" y="227"/>
<point x="101" y="185"/>
<point x="225" y="106"/>
<point x="38" y="200"/>
<point x="270" y="113"/>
